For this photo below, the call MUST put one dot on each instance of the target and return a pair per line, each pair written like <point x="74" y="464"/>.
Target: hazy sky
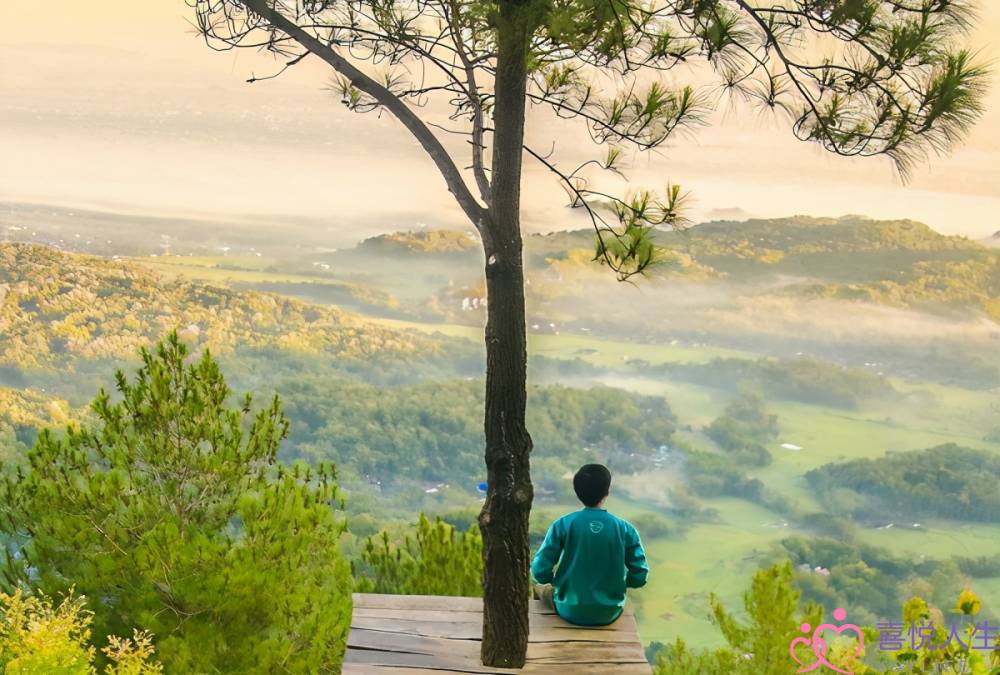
<point x="118" y="105"/>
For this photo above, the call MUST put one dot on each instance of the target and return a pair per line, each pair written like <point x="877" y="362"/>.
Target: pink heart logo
<point x="795" y="657"/>
<point x="819" y="646"/>
<point x="839" y="630"/>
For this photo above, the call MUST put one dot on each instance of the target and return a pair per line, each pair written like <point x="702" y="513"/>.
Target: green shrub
<point x="36" y="636"/>
<point x="172" y="513"/>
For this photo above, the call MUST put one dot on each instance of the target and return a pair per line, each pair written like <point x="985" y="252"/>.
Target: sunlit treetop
<point x="859" y="77"/>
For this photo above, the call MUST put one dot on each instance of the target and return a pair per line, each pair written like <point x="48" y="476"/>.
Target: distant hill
<point x="737" y="245"/>
<point x="899" y="262"/>
<point x="56" y="307"/>
<point x="424" y="242"/>
<point x="22" y="413"/>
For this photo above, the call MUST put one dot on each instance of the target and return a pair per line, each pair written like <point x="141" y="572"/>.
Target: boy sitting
<point x="599" y="556"/>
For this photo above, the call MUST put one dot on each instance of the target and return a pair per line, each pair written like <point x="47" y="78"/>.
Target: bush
<point x="36" y="636"/>
<point x="172" y="512"/>
<point x="437" y="560"/>
<point x="653" y="526"/>
<point x="806" y="380"/>
<point x="948" y="481"/>
<point x="743" y="428"/>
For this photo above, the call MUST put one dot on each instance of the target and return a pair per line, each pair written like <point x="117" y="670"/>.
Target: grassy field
<point x="257" y="274"/>
<point x="226" y="270"/>
<point x="595" y="350"/>
<point x="287" y="278"/>
<point x="717" y="558"/>
<point x="721" y="557"/>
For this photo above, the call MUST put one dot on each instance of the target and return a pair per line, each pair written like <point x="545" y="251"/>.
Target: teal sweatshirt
<point x="599" y="556"/>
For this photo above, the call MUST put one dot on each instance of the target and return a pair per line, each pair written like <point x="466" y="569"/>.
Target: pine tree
<point x="438" y="560"/>
<point x="171" y="513"/>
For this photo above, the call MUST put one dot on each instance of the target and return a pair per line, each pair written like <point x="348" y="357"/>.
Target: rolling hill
<point x="899" y="263"/>
<point x="57" y="307"/>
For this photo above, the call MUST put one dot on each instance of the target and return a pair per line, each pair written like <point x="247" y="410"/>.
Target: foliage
<point x="713" y="475"/>
<point x="800" y="379"/>
<point x="22" y="413"/>
<point x="59" y="307"/>
<point x="846" y="249"/>
<point x="809" y="236"/>
<point x="38" y="637"/>
<point x="941" y="653"/>
<point x="900" y="263"/>
<point x="130" y="656"/>
<point x="653" y="526"/>
<point x="433" y="242"/>
<point x="437" y="560"/>
<point x="895" y="263"/>
<point x="429" y="431"/>
<point x="948" y="480"/>
<point x="758" y="646"/>
<point x="432" y="431"/>
<point x="171" y="513"/>
<point x="872" y="581"/>
<point x="743" y="429"/>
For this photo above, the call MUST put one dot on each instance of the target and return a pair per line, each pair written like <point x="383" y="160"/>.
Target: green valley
<point x="391" y="395"/>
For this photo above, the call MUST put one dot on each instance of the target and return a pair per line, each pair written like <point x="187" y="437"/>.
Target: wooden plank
<point x="625" y="624"/>
<point x="360" y="638"/>
<point x="474" y="630"/>
<point x="445" y="663"/>
<point x="558" y="635"/>
<point x="420" y="635"/>
<point x="418" y="615"/>
<point x="416" y="639"/>
<point x="467" y="630"/>
<point x="548" y="669"/>
<point x="587" y="669"/>
<point x="435" y="602"/>
<point x="585" y="652"/>
<point x="367" y="668"/>
<point x="440" y="602"/>
<point x="536" y="621"/>
<point x="364" y="661"/>
<point x="556" y="651"/>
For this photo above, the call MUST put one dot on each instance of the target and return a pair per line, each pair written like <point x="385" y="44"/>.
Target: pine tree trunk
<point x="504" y="518"/>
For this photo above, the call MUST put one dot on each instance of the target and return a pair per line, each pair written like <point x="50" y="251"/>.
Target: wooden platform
<point x="421" y="634"/>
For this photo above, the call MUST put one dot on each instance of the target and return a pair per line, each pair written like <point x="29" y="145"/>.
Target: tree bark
<point x="504" y="517"/>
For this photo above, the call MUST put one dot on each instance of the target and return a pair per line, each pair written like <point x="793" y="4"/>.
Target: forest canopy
<point x="949" y="481"/>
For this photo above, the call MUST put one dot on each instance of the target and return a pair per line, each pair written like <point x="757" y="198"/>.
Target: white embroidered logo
<point x="596" y="526"/>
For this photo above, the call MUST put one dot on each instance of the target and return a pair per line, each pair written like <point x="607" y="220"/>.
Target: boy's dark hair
<point x="592" y="483"/>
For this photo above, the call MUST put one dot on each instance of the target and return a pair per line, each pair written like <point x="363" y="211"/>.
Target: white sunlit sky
<point x="118" y="105"/>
